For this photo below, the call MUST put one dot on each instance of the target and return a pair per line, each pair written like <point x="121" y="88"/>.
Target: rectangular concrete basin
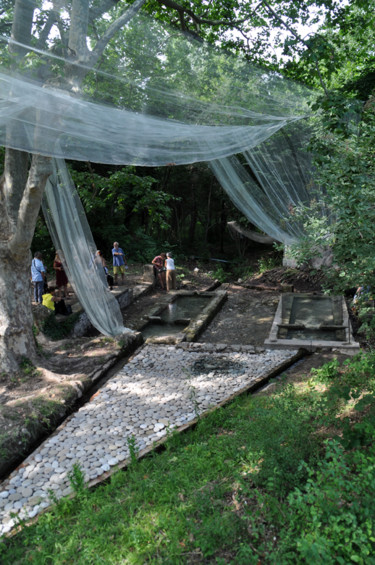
<point x="311" y="321"/>
<point x="184" y="318"/>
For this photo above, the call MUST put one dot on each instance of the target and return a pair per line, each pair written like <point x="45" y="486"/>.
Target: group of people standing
<point x="52" y="297"/>
<point x="39" y="277"/>
<point x="164" y="270"/>
<point x="60" y="291"/>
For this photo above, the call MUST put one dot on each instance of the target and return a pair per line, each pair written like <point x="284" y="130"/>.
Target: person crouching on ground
<point x="171" y="272"/>
<point x="119" y="262"/>
<point x="159" y="270"/>
<point x="55" y="303"/>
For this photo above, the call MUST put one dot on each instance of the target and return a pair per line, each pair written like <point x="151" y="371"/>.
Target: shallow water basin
<point x="184" y="318"/>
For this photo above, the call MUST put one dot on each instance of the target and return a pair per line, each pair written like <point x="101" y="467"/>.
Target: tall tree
<point x="343" y="144"/>
<point x="24" y="177"/>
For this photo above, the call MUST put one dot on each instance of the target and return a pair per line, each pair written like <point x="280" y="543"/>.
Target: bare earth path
<point x="245" y="318"/>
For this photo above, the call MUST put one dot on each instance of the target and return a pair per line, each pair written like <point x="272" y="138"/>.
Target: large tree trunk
<point x="21" y="188"/>
<point x="20" y="197"/>
<point x="16" y="335"/>
<point x="21" y="191"/>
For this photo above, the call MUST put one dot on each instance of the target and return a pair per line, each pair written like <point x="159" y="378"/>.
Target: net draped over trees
<point x="125" y="89"/>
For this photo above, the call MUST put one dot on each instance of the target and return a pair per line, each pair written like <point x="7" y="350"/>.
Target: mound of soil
<point x="298" y="280"/>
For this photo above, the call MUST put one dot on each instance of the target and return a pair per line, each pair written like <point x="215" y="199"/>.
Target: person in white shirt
<point x="171" y="273"/>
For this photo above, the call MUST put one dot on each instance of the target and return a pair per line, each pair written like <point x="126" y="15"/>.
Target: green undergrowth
<point x="285" y="478"/>
<point x="59" y="329"/>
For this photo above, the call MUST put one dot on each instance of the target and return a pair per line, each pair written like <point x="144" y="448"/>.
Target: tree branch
<point x="291" y="30"/>
<point x="197" y="19"/>
<point x="22" y="25"/>
<point x="51" y="20"/>
<point x="113" y="29"/>
<point x="241" y="32"/>
<point x="30" y="202"/>
<point x="102" y="8"/>
<point x="79" y="19"/>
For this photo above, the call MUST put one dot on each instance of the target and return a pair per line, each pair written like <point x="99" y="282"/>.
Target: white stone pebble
<point x="143" y="401"/>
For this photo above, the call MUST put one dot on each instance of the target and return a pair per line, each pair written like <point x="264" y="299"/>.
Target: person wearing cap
<point x="171" y="273"/>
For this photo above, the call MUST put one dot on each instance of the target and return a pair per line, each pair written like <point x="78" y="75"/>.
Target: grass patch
<point x="281" y="479"/>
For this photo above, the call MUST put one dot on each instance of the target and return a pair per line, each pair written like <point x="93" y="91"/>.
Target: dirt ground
<point x="35" y="402"/>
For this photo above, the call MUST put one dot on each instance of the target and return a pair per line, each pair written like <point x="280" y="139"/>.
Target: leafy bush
<point x="242" y="271"/>
<point x="332" y="518"/>
<point x="285" y="434"/>
<point x="56" y="330"/>
<point x="345" y="167"/>
<point x="221" y="274"/>
<point x="268" y="263"/>
<point x="366" y="316"/>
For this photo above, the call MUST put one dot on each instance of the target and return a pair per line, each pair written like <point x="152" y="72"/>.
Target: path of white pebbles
<point x="161" y="387"/>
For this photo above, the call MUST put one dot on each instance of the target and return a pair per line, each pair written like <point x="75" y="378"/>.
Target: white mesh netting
<point x="71" y="234"/>
<point x="158" y="98"/>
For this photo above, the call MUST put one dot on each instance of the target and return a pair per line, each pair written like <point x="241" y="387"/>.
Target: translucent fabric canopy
<point x="71" y="234"/>
<point x="54" y="123"/>
<point x="157" y="98"/>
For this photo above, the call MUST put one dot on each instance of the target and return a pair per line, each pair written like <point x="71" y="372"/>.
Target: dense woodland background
<point x="182" y="208"/>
